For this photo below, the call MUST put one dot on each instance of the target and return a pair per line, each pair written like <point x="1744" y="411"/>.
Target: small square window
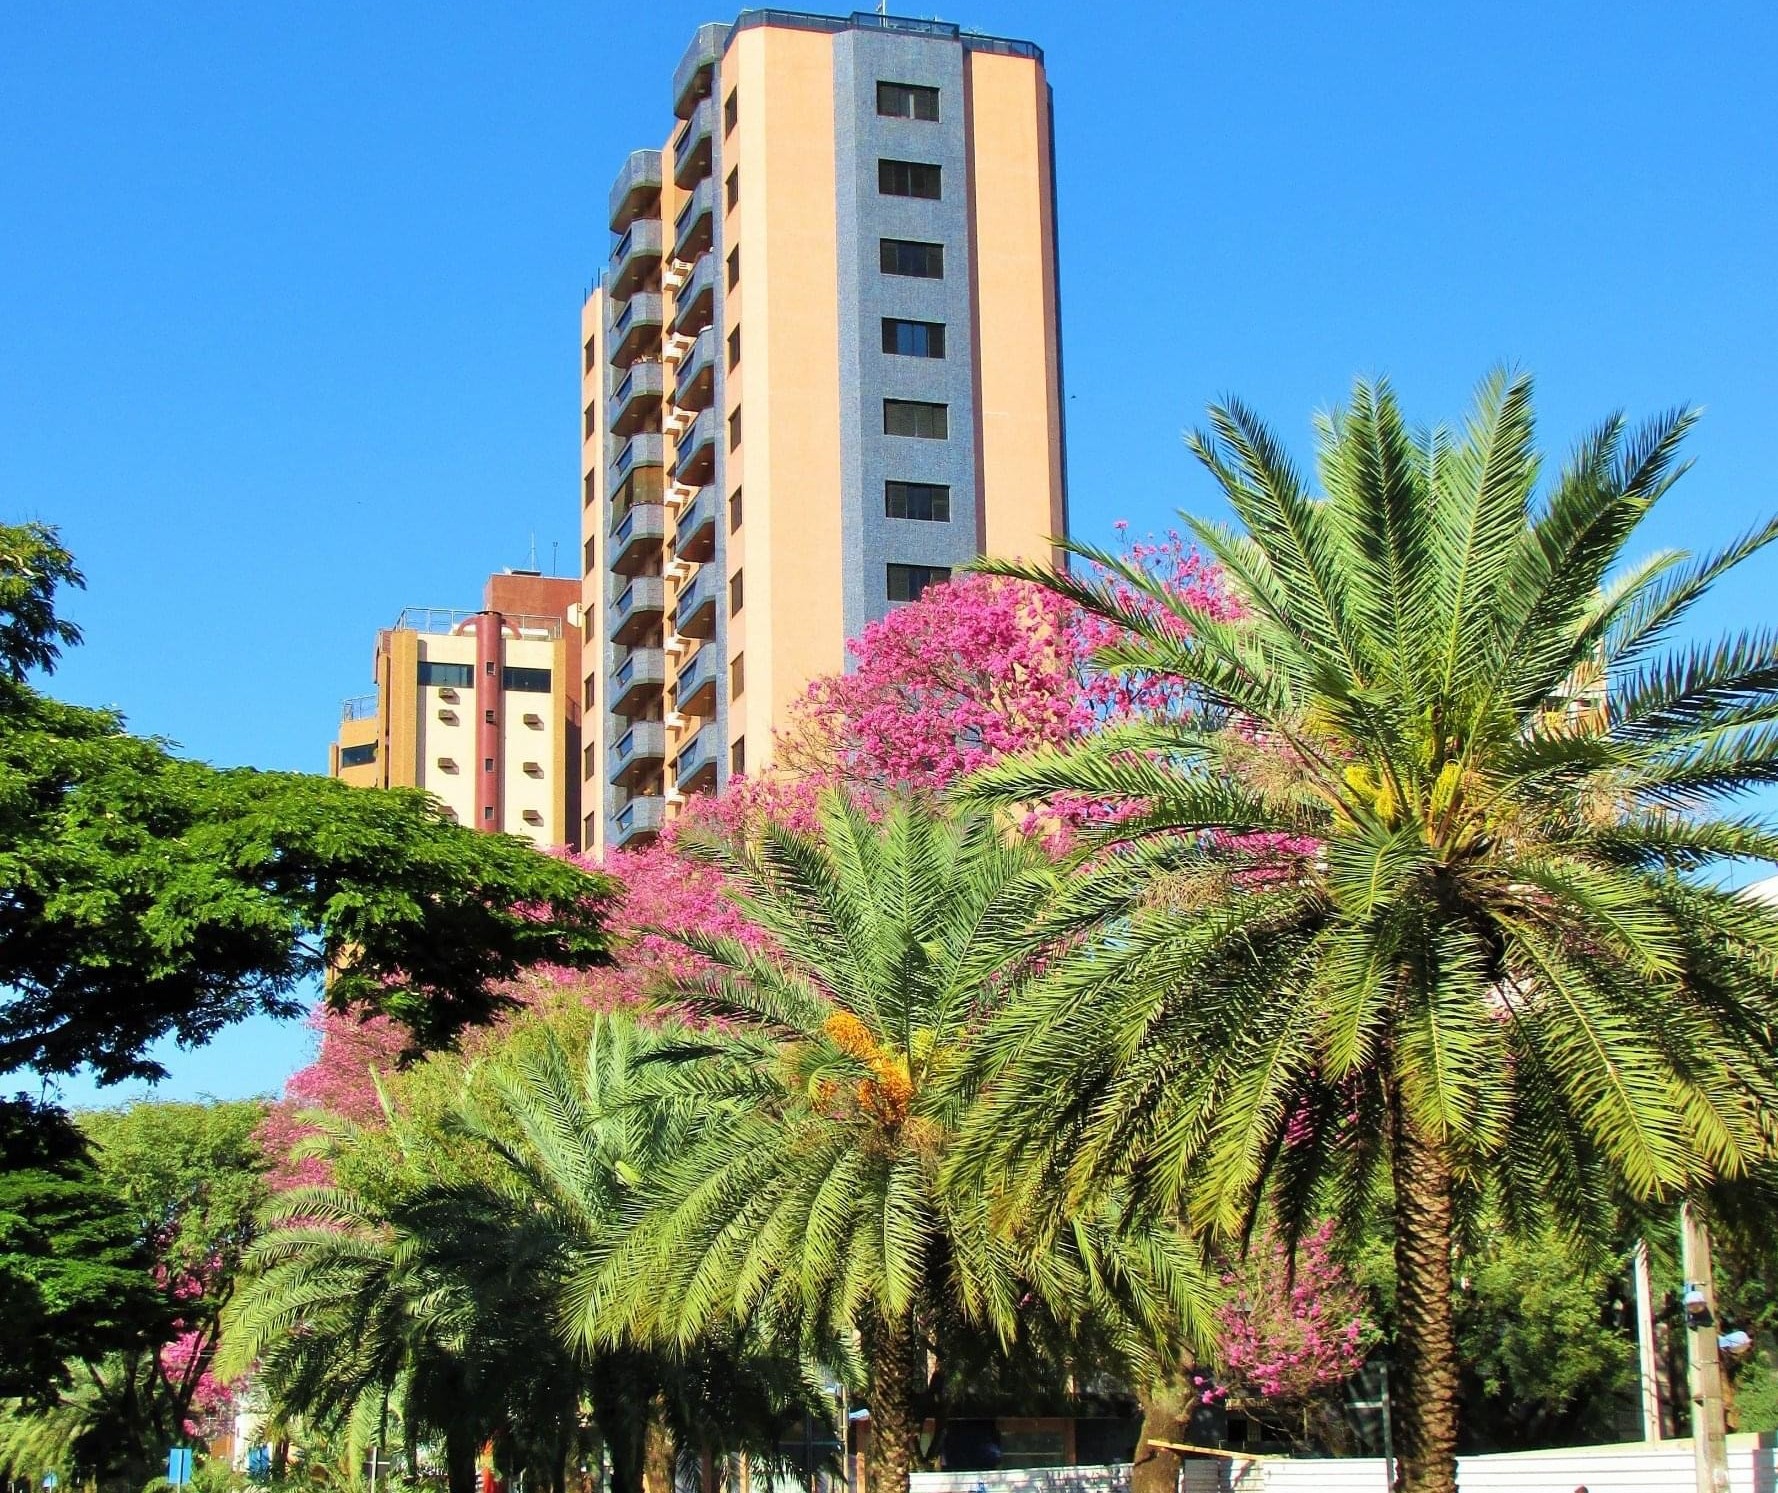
<point x="734" y="510"/>
<point x="734" y="593"/>
<point x="907" y="101"/>
<point x="730" y="112"/>
<point x="906" y="582"/>
<point x="913" y="339"/>
<point x="909" y="179"/>
<point x="734" y="348"/>
<point x="913" y="417"/>
<point x="488" y="716"/>
<point x="734" y="188"/>
<point x="487" y="764"/>
<point x="487" y="812"/>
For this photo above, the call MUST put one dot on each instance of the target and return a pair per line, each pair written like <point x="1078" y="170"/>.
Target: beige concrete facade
<point x="820" y="370"/>
<point x="480" y="709"/>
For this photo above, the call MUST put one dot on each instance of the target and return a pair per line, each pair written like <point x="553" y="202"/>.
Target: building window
<point x="591" y="425"/>
<point x="908" y="179"/>
<point x="589" y="759"/>
<point x="734" y="593"/>
<point x="901" y="256"/>
<point x="528" y="681"/>
<point x="906" y="582"/>
<point x="589" y="830"/>
<point x="586" y="625"/>
<point x="731" y="111"/>
<point x="734" y="348"/>
<point x="488" y="811"/>
<point x="734" y="510"/>
<point x="488" y="716"/>
<point x="734" y="188"/>
<point x="737" y="756"/>
<point x="737" y="679"/>
<point x="928" y="501"/>
<point x="487" y="764"/>
<point x="592" y="354"/>
<point x="734" y="267"/>
<point x="488" y="668"/>
<point x="589" y="693"/>
<point x="907" y="101"/>
<point x="914" y="417"/>
<point x="734" y="428"/>
<point x="913" y="339"/>
<point x="446" y="676"/>
<point x="362" y="756"/>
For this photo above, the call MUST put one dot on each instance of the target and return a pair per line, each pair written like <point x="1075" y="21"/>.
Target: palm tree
<point x="1406" y="896"/>
<point x="810" y="1194"/>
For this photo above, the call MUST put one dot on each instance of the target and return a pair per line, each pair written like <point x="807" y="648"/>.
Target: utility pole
<point x="1645" y="1344"/>
<point x="1710" y="1452"/>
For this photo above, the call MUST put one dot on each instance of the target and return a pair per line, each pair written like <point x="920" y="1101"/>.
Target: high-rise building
<point x="478" y="708"/>
<point x="821" y="371"/>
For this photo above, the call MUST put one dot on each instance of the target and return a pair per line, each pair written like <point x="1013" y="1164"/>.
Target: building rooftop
<point x="867" y="20"/>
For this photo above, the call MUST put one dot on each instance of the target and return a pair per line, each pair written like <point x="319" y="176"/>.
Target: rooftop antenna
<point x="532" y="565"/>
<point x="882" y="7"/>
<point x="554" y="545"/>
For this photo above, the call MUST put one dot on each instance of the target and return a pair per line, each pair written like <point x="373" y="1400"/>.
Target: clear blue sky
<point x="289" y="294"/>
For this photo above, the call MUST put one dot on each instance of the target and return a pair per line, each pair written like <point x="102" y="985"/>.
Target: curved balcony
<point x="638" y="753"/>
<point x="693" y="228"/>
<point x="695" y="76"/>
<point x="638" y="610"/>
<point x="694" y="382"/>
<point x="694" y="535"/>
<point x="636" y="538"/>
<point x="637" y="189"/>
<point x="694" y="612"/>
<point x="637" y="822"/>
<point x="694" y="460"/>
<point x="692" y="147"/>
<point x="636" y="402"/>
<point x="694" y="690"/>
<point x="636" y="682"/>
<point x="695" y="304"/>
<point x="636" y="260"/>
<point x="694" y="768"/>
<point x="636" y="329"/>
<point x="646" y="449"/>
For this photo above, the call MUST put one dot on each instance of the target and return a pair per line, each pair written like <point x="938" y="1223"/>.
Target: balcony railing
<point x="696" y="73"/>
<point x="636" y="329"/>
<point x="691" y="229"/>
<point x="637" y="398"/>
<point x="645" y="449"/>
<point x="358" y="708"/>
<point x="636" y="537"/>
<point x="694" y="769"/>
<point x="694" y="689"/>
<point x="695" y="456"/>
<point x="694" y="381"/>
<point x="694" y="612"/>
<point x="636" y="260"/>
<point x="695" y="304"/>
<point x="641" y="747"/>
<point x="694" y="535"/>
<point x="640" y="816"/>
<point x="637" y="681"/>
<point x="441" y="621"/>
<point x="638" y="186"/>
<point x="692" y="150"/>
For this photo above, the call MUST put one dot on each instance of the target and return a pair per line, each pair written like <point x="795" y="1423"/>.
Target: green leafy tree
<point x="1404" y="890"/>
<point x="812" y="1193"/>
<point x="143" y="895"/>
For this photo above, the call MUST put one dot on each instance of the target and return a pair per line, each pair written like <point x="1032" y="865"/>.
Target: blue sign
<point x="179" y="1466"/>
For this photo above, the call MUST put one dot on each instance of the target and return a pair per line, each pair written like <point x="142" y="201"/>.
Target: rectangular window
<point x="737" y="676"/>
<point x="592" y="354"/>
<point x="737" y="756"/>
<point x="734" y="510"/>
<point x="589" y="694"/>
<point x="731" y="111"/>
<point x="907" y="101"/>
<point x="589" y="760"/>
<point x="906" y="582"/>
<point x="913" y="417"/>
<point x="586" y="625"/>
<point x="734" y="188"/>
<point x="589" y="487"/>
<point x="734" y="348"/>
<point x="928" y="501"/>
<point x="908" y="179"/>
<point x="487" y="764"/>
<point x="590" y="554"/>
<point x="901" y="256"/>
<point x="447" y="676"/>
<point x="591" y="426"/>
<point x="734" y="267"/>
<point x="528" y="681"/>
<point x="912" y="339"/>
<point x="734" y="593"/>
<point x="358" y="756"/>
<point x="734" y="428"/>
<point x="487" y="810"/>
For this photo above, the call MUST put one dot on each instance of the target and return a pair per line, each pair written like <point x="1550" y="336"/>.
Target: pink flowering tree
<point x="1293" y="1332"/>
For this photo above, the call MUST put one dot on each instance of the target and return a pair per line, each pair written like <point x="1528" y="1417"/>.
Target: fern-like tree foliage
<point x="829" y="1081"/>
<point x="1415" y="890"/>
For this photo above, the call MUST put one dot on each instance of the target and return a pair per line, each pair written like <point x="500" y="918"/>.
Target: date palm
<point x="811" y="1195"/>
<point x="1408" y="894"/>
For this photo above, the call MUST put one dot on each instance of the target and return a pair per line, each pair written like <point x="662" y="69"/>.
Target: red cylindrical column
<point x="489" y="767"/>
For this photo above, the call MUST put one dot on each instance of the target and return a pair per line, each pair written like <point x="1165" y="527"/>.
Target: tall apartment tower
<point x="481" y="709"/>
<point x="821" y="371"/>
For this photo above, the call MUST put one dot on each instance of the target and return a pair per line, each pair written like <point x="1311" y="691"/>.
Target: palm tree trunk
<point x="658" y="1460"/>
<point x="1426" y="1334"/>
<point x="460" y="1462"/>
<point x="1166" y="1410"/>
<point x="892" y="1352"/>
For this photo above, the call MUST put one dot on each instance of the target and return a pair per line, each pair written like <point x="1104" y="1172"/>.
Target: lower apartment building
<point x="479" y="708"/>
<point x="820" y="372"/>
